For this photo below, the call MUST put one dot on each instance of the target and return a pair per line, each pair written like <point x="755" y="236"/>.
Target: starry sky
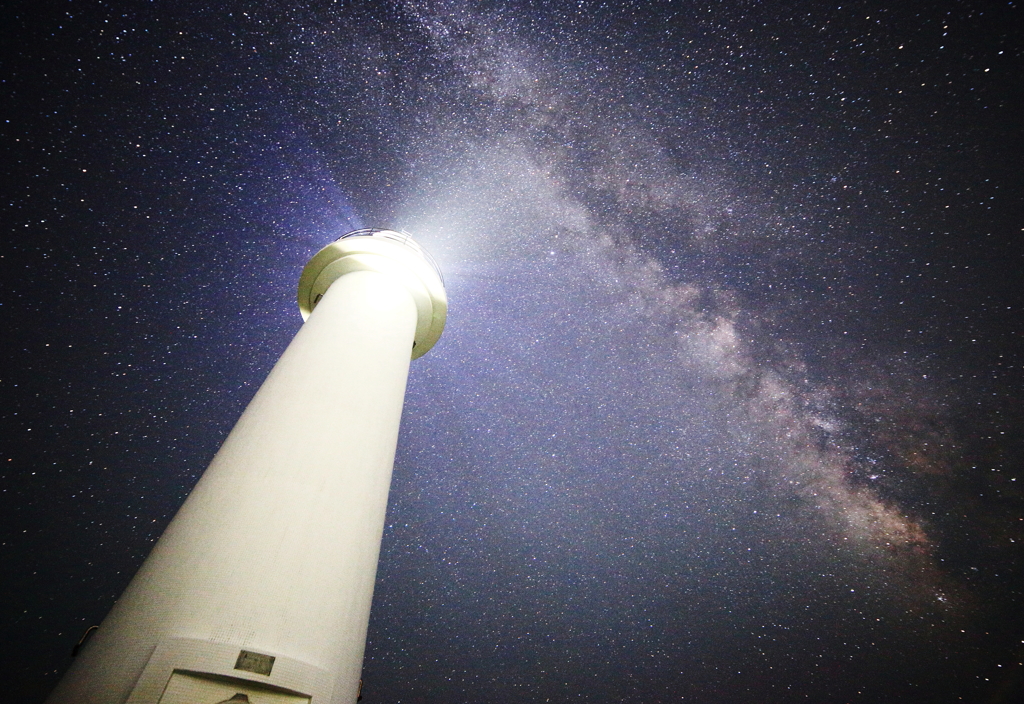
<point x="727" y="408"/>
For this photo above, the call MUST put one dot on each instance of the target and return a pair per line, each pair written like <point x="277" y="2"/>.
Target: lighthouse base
<point x="186" y="671"/>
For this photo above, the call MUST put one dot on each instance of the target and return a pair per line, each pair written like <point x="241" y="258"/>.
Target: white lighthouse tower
<point x="259" y="590"/>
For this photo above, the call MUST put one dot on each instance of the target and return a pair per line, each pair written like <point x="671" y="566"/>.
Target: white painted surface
<point x="275" y="551"/>
<point x="186" y="688"/>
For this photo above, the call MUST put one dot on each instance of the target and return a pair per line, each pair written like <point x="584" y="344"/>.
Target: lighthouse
<point x="259" y="590"/>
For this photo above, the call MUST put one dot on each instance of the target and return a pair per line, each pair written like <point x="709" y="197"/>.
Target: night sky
<point x="728" y="405"/>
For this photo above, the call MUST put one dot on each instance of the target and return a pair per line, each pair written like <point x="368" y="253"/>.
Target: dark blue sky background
<point x="727" y="409"/>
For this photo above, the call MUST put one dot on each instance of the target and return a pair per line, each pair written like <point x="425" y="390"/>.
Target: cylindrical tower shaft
<point x="261" y="585"/>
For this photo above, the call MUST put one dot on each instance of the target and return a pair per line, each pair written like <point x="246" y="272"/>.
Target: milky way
<point x="724" y="411"/>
